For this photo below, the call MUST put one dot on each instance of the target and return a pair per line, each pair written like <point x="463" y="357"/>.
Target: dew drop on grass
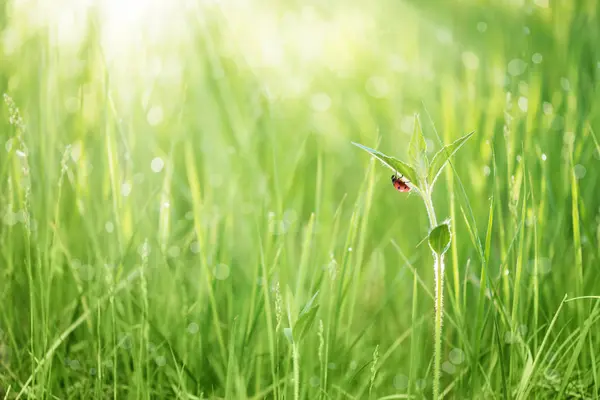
<point x="526" y="30"/>
<point x="523" y="330"/>
<point x="21" y="216"/>
<point x="566" y="85"/>
<point x="161" y="361"/>
<point x="125" y="189"/>
<point x="579" y="171"/>
<point x="221" y="271"/>
<point x="482" y="26"/>
<point x="444" y="36"/>
<point x="548" y="108"/>
<point x="138" y="178"/>
<point x="72" y="105"/>
<point x="569" y="138"/>
<point x="544" y="157"/>
<point x="537" y="58"/>
<point x="320" y="102"/>
<point x="487" y="171"/>
<point x="174" y="251"/>
<point x="509" y="338"/>
<point x="353" y="365"/>
<point x="157" y="164"/>
<point x="86" y="272"/>
<point x="193" y="328"/>
<point x="516" y="67"/>
<point x="400" y="382"/>
<point x="377" y="87"/>
<point x="10" y="218"/>
<point x="155" y="115"/>
<point x="523" y="103"/>
<point x="470" y="60"/>
<point x="406" y="124"/>
<point x="216" y="180"/>
<point x="109" y="226"/>
<point x="448" y="368"/>
<point x="195" y="247"/>
<point x="456" y="356"/>
<point x="397" y="63"/>
<point x="8" y="145"/>
<point x="314" y="381"/>
<point x="290" y="216"/>
<point x="74" y="364"/>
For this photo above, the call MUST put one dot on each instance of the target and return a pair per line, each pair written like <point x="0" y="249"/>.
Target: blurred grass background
<point x="177" y="181"/>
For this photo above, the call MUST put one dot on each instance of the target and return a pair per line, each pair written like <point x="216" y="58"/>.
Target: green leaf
<point x="441" y="158"/>
<point x="309" y="304"/>
<point x="305" y="321"/>
<point x="399" y="167"/>
<point x="287" y="332"/>
<point x="417" y="148"/>
<point x="440" y="237"/>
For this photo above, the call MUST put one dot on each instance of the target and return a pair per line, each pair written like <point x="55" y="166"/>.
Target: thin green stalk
<point x="439" y="316"/>
<point x="438" y="270"/>
<point x="296" y="361"/>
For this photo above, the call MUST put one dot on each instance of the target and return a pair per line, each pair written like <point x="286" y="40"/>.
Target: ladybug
<point x="400" y="184"/>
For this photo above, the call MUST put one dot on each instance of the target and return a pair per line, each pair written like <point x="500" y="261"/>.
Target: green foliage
<point x="417" y="149"/>
<point x="440" y="159"/>
<point x="397" y="166"/>
<point x="439" y="238"/>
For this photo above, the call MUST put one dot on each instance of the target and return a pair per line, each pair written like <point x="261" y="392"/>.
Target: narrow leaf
<point x="399" y="167"/>
<point x="441" y="157"/>
<point x="288" y="335"/>
<point x="309" y="304"/>
<point x="304" y="323"/>
<point x="440" y="237"/>
<point x="417" y="149"/>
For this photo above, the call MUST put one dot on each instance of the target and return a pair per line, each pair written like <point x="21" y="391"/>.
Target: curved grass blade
<point x="417" y="148"/>
<point x="441" y="157"/>
<point x="392" y="163"/>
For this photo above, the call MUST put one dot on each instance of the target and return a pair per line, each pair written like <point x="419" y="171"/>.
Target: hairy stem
<point x="439" y="316"/>
<point x="430" y="210"/>
<point x="438" y="271"/>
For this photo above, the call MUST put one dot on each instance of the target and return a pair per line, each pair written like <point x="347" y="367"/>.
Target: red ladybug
<point x="400" y="184"/>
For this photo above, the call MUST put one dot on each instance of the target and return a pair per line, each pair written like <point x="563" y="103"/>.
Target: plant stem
<point x="438" y="271"/>
<point x="296" y="366"/>
<point x="430" y="210"/>
<point x="439" y="316"/>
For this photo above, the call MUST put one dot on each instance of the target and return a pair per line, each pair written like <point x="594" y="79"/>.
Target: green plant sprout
<point x="420" y="175"/>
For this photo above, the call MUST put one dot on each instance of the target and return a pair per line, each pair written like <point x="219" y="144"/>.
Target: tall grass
<point x="167" y="211"/>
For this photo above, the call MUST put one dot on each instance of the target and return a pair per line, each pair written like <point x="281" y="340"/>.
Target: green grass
<point x="117" y="281"/>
